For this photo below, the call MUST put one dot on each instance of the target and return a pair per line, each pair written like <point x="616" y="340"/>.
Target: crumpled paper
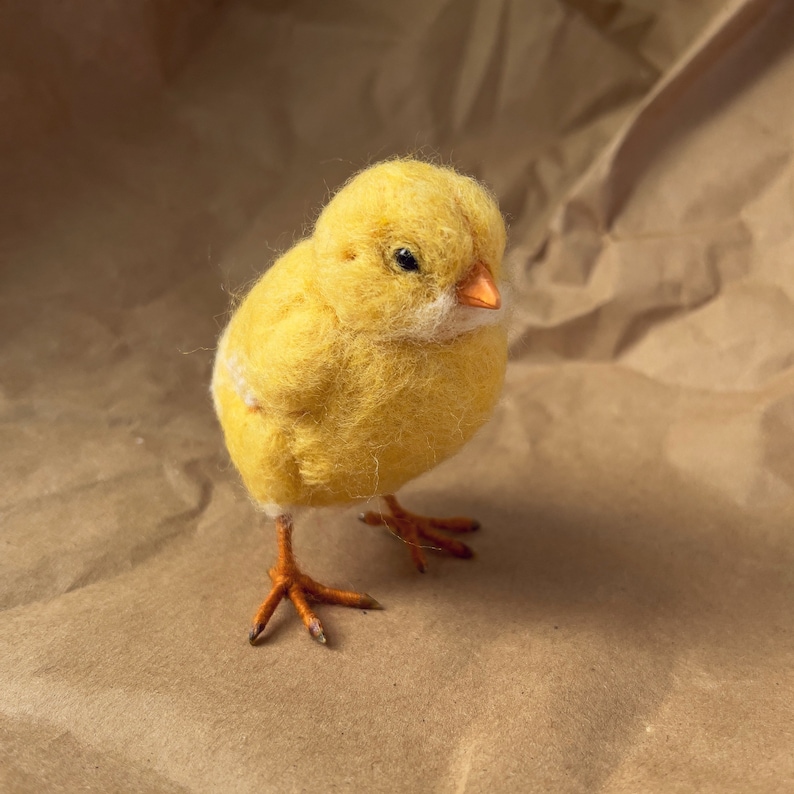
<point x="626" y="625"/>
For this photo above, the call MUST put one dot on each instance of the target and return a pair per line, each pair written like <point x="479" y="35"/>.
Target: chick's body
<point x="368" y="353"/>
<point x="328" y="394"/>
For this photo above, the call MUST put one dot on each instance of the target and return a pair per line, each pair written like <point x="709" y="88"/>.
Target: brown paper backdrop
<point x="627" y="623"/>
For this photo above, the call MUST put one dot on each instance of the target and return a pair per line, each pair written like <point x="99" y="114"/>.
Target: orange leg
<point x="290" y="582"/>
<point x="421" y="532"/>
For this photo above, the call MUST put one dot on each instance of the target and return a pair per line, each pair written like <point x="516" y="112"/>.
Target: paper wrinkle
<point x="111" y="544"/>
<point x="585" y="272"/>
<point x="600" y="188"/>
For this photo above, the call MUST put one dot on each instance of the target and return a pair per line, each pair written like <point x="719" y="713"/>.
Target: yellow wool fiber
<point x="341" y="376"/>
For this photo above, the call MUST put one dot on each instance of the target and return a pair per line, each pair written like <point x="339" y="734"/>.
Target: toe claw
<point x="368" y="602"/>
<point x="316" y="630"/>
<point x="256" y="630"/>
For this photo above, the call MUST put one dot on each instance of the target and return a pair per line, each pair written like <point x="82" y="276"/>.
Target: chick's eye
<point x="406" y="260"/>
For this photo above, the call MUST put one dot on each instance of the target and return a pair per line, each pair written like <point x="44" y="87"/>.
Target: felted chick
<point x="367" y="354"/>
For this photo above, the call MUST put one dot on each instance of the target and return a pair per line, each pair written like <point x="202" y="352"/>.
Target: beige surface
<point x="627" y="625"/>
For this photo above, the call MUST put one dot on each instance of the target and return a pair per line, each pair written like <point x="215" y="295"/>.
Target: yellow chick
<point x="367" y="354"/>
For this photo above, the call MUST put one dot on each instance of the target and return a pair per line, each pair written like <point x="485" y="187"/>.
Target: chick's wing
<point x="281" y="350"/>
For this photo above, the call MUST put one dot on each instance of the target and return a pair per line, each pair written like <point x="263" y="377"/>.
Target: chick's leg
<point x="421" y="532"/>
<point x="290" y="582"/>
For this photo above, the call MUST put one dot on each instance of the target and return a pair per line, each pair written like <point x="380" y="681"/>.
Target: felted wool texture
<point x="341" y="376"/>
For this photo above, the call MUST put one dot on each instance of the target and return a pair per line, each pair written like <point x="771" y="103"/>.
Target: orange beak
<point x="477" y="288"/>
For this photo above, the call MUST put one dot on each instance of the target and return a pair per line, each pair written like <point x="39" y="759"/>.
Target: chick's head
<point x="411" y="250"/>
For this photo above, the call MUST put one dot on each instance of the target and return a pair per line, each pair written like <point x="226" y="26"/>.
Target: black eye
<point x="406" y="260"/>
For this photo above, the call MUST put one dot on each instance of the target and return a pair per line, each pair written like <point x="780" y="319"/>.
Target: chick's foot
<point x="422" y="532"/>
<point x="291" y="583"/>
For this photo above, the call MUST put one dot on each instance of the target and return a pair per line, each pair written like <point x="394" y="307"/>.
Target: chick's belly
<point x="379" y="459"/>
<point x="402" y="414"/>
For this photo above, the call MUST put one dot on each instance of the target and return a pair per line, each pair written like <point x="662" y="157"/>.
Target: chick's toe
<point x="291" y="583"/>
<point x="423" y="532"/>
